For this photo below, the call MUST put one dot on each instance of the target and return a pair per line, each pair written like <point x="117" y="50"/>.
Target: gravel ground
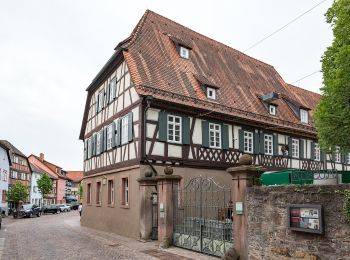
<point x="62" y="237"/>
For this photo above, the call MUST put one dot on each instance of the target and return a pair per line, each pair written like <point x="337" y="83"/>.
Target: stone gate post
<point x="166" y="185"/>
<point x="243" y="176"/>
<point x="147" y="185"/>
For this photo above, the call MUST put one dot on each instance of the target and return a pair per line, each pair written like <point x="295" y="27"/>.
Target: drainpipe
<point x="148" y="100"/>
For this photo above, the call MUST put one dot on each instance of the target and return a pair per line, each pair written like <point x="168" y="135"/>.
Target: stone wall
<point x="268" y="233"/>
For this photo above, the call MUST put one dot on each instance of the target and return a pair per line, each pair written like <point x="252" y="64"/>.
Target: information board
<point x="306" y="218"/>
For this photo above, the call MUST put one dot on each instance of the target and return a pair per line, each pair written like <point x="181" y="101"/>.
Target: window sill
<point x="125" y="206"/>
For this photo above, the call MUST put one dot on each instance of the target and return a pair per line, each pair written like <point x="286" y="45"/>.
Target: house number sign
<point x="306" y="218"/>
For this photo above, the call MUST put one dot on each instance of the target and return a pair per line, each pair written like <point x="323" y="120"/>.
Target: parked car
<point x="54" y="209"/>
<point x="74" y="205"/>
<point x="27" y="210"/>
<point x="64" y="207"/>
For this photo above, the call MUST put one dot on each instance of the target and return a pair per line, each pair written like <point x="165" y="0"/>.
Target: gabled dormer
<point x="209" y="88"/>
<point x="183" y="46"/>
<point x="268" y="101"/>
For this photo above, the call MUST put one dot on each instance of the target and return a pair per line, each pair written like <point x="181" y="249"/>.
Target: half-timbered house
<point x="171" y="96"/>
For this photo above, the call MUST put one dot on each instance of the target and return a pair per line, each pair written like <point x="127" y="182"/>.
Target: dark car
<point x="54" y="209"/>
<point x="27" y="210"/>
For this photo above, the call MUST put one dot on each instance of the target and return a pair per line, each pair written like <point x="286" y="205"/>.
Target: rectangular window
<point x="272" y="110"/>
<point x="125" y="189"/>
<point x="98" y="143"/>
<point x="304" y="116"/>
<point x="214" y="135"/>
<point x="110" y="192"/>
<point x="100" y="101"/>
<point x="109" y="136"/>
<point x="268" y="144"/>
<point x="211" y="93"/>
<point x="317" y="152"/>
<point x="295" y="148"/>
<point x="125" y="130"/>
<point x="98" y="193"/>
<point x="337" y="155"/>
<point x="248" y="142"/>
<point x="112" y="86"/>
<point x="88" y="193"/>
<point x="184" y="52"/>
<point x="15" y="159"/>
<point x="174" y="129"/>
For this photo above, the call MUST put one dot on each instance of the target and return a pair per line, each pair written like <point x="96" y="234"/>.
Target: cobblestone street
<point x="62" y="237"/>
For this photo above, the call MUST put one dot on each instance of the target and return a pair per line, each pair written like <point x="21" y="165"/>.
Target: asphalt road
<point x="60" y="236"/>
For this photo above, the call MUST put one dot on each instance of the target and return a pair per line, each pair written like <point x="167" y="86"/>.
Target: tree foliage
<point x="44" y="185"/>
<point x="332" y="115"/>
<point x="17" y="192"/>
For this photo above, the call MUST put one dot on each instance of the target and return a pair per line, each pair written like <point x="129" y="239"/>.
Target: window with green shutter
<point x="130" y="127"/>
<point x="162" y="122"/>
<point x="205" y="133"/>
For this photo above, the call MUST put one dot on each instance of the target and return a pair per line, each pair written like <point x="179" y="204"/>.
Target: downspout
<point x="148" y="100"/>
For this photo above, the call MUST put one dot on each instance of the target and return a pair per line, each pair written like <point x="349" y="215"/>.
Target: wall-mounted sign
<point x="306" y="218"/>
<point x="239" y="208"/>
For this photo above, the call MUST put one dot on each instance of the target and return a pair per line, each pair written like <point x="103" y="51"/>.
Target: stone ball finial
<point x="245" y="159"/>
<point x="168" y="170"/>
<point x="148" y="173"/>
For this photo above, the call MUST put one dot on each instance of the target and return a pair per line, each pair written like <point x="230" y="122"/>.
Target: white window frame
<point x="268" y="144"/>
<point x="111" y="192"/>
<point x="272" y="110"/>
<point x="317" y="152"/>
<point x="98" y="143"/>
<point x="337" y="156"/>
<point x="211" y="93"/>
<point x="295" y="148"/>
<point x="109" y="136"/>
<point x="248" y="142"/>
<point x="304" y="116"/>
<point x="126" y="191"/>
<point x="215" y="132"/>
<point x="171" y="121"/>
<point x="112" y="89"/>
<point x="125" y="130"/>
<point x="184" y="52"/>
<point x="89" y="147"/>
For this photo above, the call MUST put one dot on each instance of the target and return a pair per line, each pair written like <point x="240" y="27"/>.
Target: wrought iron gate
<point x="203" y="217"/>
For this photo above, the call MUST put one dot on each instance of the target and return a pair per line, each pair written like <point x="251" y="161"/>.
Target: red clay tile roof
<point x="41" y="167"/>
<point x="157" y="70"/>
<point x="75" y="176"/>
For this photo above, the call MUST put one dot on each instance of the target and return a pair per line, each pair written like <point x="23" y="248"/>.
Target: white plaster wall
<point x="197" y="132"/>
<point x="175" y="151"/>
<point x="158" y="149"/>
<point x="153" y="114"/>
<point x="236" y="136"/>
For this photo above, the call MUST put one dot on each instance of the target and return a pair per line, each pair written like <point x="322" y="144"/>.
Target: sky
<point x="51" y="50"/>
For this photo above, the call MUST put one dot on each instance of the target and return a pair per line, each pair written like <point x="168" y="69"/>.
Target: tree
<point x="44" y="185"/>
<point x="332" y="115"/>
<point x="17" y="192"/>
<point x="81" y="191"/>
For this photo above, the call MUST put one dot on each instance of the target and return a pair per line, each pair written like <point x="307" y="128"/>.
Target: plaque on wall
<point x="306" y="218"/>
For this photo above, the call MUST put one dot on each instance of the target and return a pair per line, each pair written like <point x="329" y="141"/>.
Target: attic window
<point x="304" y="116"/>
<point x="211" y="93"/>
<point x="272" y="110"/>
<point x="184" y="52"/>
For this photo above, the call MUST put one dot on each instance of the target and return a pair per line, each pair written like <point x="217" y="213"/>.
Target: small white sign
<point x="239" y="208"/>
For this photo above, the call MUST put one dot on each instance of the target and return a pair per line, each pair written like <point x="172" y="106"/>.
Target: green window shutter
<point x="301" y="149"/>
<point x="343" y="158"/>
<point x="323" y="156"/>
<point x="117" y="134"/>
<point x="85" y="149"/>
<point x="130" y="127"/>
<point x="205" y="133"/>
<point x="108" y="92"/>
<point x="186" y="135"/>
<point x="94" y="138"/>
<point x="275" y="144"/>
<point x="105" y="139"/>
<point x="114" y="87"/>
<point x="256" y="142"/>
<point x="163" y="126"/>
<point x="261" y="143"/>
<point x="333" y="156"/>
<point x="290" y="146"/>
<point x="312" y="152"/>
<point x="241" y="140"/>
<point x="97" y="99"/>
<point x="113" y="135"/>
<point x="224" y="137"/>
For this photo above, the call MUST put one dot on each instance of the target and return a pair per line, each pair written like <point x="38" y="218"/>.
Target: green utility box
<point x="345" y="176"/>
<point x="287" y="177"/>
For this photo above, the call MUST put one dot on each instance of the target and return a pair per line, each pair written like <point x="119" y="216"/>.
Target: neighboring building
<point x="20" y="169"/>
<point x="40" y="168"/>
<point x="171" y="96"/>
<point x="76" y="178"/>
<point x="5" y="163"/>
<point x="35" y="195"/>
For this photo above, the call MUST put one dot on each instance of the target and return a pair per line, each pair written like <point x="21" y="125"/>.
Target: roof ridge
<point x="211" y="39"/>
<point x="304" y="89"/>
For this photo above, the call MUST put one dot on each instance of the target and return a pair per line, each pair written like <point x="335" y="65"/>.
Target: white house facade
<point x="35" y="195"/>
<point x="4" y="177"/>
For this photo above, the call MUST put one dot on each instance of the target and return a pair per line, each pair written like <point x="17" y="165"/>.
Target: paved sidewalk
<point x="62" y="237"/>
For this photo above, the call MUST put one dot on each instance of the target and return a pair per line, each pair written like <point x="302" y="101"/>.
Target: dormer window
<point x="211" y="93"/>
<point x="184" y="52"/>
<point x="304" y="116"/>
<point x="272" y="110"/>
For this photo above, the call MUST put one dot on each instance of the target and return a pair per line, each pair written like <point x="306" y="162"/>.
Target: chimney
<point x="41" y="157"/>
